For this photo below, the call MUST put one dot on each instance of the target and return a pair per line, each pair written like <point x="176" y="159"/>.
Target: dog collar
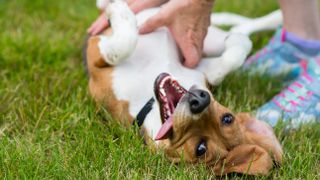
<point x="143" y="113"/>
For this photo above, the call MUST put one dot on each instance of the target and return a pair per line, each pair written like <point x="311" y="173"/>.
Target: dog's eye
<point x="227" y="119"/>
<point x="201" y="148"/>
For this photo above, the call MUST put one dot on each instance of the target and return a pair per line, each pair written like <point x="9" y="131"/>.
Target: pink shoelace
<point x="293" y="96"/>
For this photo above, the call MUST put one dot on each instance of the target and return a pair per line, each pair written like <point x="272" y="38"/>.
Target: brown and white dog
<point x="182" y="118"/>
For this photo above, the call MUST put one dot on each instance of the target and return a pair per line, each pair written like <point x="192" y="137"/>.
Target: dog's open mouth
<point x="168" y="93"/>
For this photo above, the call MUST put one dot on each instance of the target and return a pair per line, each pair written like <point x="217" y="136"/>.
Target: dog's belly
<point x="155" y="53"/>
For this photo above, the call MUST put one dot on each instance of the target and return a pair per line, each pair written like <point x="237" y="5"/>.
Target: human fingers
<point x="92" y="27"/>
<point x="99" y="25"/>
<point x="191" y="55"/>
<point x="154" y="22"/>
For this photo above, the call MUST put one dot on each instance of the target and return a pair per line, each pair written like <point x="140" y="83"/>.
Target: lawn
<point x="51" y="129"/>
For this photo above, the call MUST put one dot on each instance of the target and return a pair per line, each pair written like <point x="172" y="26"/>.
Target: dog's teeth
<point x="162" y="91"/>
<point x="164" y="99"/>
<point x="167" y="107"/>
<point x="164" y="80"/>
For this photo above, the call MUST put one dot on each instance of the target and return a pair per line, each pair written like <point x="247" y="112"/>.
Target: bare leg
<point x="302" y="18"/>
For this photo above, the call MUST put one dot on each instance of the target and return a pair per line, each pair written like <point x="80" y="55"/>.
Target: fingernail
<point x="192" y="59"/>
<point x="141" y="30"/>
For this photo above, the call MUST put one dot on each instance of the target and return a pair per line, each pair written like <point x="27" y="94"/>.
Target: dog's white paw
<point x="118" y="46"/>
<point x="239" y="41"/>
<point x="238" y="47"/>
<point x="102" y="4"/>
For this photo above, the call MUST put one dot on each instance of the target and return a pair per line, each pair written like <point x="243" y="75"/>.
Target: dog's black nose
<point x="198" y="100"/>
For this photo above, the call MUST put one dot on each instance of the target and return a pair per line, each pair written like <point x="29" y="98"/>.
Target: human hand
<point x="188" y="22"/>
<point x="101" y="23"/>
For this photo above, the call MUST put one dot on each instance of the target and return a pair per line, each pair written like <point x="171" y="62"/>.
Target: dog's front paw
<point x="119" y="45"/>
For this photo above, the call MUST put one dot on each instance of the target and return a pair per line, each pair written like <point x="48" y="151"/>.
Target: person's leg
<point x="301" y="18"/>
<point x="302" y="24"/>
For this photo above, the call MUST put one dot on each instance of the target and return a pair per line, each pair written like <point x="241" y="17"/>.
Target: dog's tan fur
<point x="100" y="84"/>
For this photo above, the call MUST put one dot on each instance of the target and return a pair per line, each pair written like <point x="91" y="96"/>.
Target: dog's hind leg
<point x="268" y="22"/>
<point x="245" y="25"/>
<point x="227" y="19"/>
<point x="237" y="47"/>
<point x="214" y="43"/>
<point x="121" y="42"/>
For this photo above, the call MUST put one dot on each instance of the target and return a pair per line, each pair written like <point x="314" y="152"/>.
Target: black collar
<point x="144" y="112"/>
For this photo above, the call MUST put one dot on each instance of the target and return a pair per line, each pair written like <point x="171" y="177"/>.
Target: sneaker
<point x="299" y="102"/>
<point x="278" y="59"/>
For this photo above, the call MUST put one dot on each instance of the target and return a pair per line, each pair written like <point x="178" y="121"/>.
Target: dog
<point x="140" y="80"/>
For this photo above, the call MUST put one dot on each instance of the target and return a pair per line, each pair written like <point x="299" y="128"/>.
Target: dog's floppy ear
<point x="269" y="141"/>
<point x="246" y="159"/>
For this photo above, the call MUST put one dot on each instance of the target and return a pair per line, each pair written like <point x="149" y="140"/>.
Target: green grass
<point x="50" y="128"/>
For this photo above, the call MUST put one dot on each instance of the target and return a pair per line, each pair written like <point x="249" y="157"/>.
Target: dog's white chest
<point x="133" y="79"/>
<point x="155" y="53"/>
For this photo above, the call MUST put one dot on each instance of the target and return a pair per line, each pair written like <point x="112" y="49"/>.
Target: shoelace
<point x="294" y="95"/>
<point x="260" y="53"/>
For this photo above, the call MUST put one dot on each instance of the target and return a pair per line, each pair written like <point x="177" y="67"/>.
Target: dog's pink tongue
<point x="165" y="129"/>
